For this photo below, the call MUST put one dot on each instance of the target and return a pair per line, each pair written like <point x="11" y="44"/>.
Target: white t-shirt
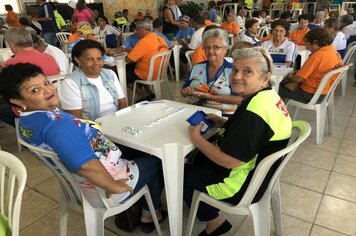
<point x="247" y="38"/>
<point x="196" y="38"/>
<point x="287" y="48"/>
<point x="108" y="29"/>
<point x="349" y="30"/>
<point x="339" y="41"/>
<point x="241" y="21"/>
<point x="60" y="57"/>
<point x="71" y="98"/>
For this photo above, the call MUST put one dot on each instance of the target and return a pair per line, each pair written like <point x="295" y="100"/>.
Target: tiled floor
<point x="318" y="185"/>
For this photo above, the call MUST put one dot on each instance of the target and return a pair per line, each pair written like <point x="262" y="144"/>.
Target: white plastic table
<point x="278" y="74"/>
<point x="164" y="134"/>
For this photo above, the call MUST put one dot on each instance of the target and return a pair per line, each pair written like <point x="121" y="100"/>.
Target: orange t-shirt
<point x="231" y="27"/>
<point x="72" y="38"/>
<point x="198" y="55"/>
<point x="208" y="22"/>
<point x="297" y="36"/>
<point x="12" y="19"/>
<point x="318" y="64"/>
<point x="268" y="37"/>
<point x="148" y="46"/>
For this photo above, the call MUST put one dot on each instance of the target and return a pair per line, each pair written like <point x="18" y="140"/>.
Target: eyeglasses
<point x="214" y="48"/>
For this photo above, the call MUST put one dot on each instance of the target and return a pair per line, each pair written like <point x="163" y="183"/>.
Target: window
<point x="16" y="5"/>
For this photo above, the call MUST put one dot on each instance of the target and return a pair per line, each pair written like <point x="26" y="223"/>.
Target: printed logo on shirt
<point x="27" y="133"/>
<point x="281" y="106"/>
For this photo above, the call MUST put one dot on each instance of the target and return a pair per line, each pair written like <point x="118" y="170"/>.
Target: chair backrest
<point x="300" y="128"/>
<point x="308" y="5"/>
<point x="101" y="39"/>
<point x="264" y="30"/>
<point x="63" y="37"/>
<point x="56" y="79"/>
<point x="50" y="160"/>
<point x="12" y="173"/>
<point x="188" y="55"/>
<point x="339" y="72"/>
<point x="163" y="58"/>
<point x="68" y="24"/>
<point x="349" y="53"/>
<point x="125" y="28"/>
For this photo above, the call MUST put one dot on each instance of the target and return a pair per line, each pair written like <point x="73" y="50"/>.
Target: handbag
<point x="129" y="219"/>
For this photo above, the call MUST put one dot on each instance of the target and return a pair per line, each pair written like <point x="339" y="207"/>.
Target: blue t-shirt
<point x="76" y="142"/>
<point x="185" y="33"/>
<point x="131" y="41"/>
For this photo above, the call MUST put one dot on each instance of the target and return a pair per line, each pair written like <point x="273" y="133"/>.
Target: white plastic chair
<point x="125" y="28"/>
<point x="259" y="211"/>
<point x="297" y="9"/>
<point x="13" y="176"/>
<point x="188" y="55"/>
<point x="68" y="24"/>
<point x="264" y="30"/>
<point x="326" y="105"/>
<point x="62" y="38"/>
<point x="276" y="7"/>
<point x="347" y="59"/>
<point x="71" y="193"/>
<point x="1" y="40"/>
<point x="101" y="39"/>
<point x="307" y="5"/>
<point x="161" y="74"/>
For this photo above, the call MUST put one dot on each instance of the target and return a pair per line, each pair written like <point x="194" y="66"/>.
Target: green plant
<point x="190" y="8"/>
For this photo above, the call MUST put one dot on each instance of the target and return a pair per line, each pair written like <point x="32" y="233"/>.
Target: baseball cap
<point x="184" y="18"/>
<point x="85" y="29"/>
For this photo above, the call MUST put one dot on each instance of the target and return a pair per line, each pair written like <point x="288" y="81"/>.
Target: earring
<point x="24" y="108"/>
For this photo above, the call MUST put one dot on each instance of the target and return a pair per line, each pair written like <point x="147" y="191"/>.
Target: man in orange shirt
<point x="302" y="85"/>
<point x="149" y="45"/>
<point x="297" y="35"/>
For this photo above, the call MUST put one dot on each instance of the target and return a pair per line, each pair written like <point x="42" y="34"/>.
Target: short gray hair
<point x="347" y="19"/>
<point x="19" y="36"/>
<point x="216" y="33"/>
<point x="145" y="24"/>
<point x="320" y="13"/>
<point x="260" y="54"/>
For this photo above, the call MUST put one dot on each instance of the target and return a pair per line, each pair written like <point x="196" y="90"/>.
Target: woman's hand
<point x="218" y="121"/>
<point x="187" y="91"/>
<point x="120" y="187"/>
<point x="194" y="131"/>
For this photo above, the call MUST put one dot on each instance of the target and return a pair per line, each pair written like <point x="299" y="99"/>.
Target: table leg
<point x="176" y="60"/>
<point x="173" y="172"/>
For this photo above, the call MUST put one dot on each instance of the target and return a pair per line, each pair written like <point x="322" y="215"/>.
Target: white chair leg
<point x="277" y="209"/>
<point x="157" y="90"/>
<point x="192" y="213"/>
<point x="94" y="220"/>
<point x="343" y="84"/>
<point x="133" y="93"/>
<point x="320" y="123"/>
<point x="295" y="113"/>
<point x="260" y="217"/>
<point x="331" y="116"/>
<point x="152" y="210"/>
<point x="63" y="213"/>
<point x="169" y="89"/>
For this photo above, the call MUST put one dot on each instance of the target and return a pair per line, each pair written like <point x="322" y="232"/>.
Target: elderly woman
<point x="209" y="84"/>
<point x="302" y="85"/>
<point x="250" y="35"/>
<point x="90" y="91"/>
<point x="92" y="159"/>
<point x="260" y="126"/>
<point x="111" y="33"/>
<point x="339" y="41"/>
<point x="280" y="47"/>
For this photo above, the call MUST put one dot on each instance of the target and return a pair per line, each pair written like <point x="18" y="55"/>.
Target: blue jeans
<point x="150" y="168"/>
<point x="50" y="38"/>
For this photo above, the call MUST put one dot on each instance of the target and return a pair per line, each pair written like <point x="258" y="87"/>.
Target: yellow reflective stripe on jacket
<point x="233" y="183"/>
